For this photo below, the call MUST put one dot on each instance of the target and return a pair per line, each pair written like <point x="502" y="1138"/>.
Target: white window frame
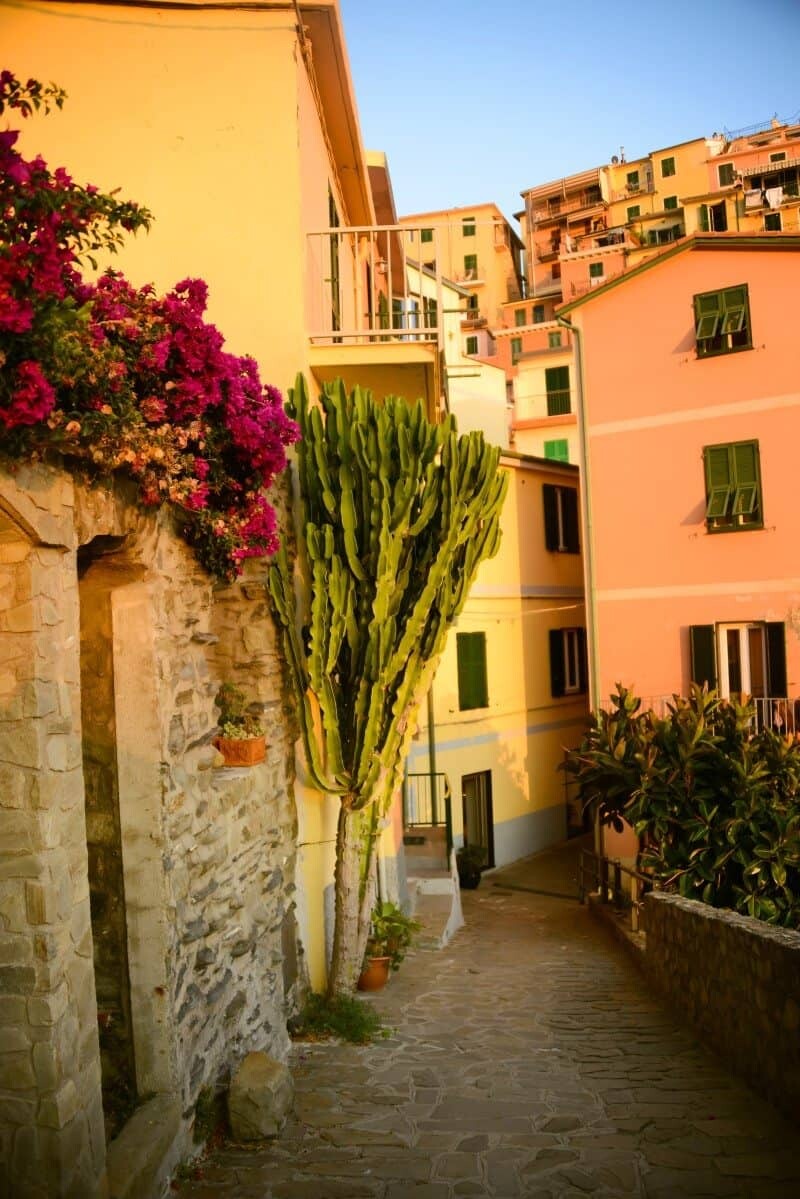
<point x="743" y="630"/>
<point x="572" y="661"/>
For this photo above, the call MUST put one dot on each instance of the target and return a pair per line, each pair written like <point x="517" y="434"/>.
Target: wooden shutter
<point x="557" y="677"/>
<point x="703" y="646"/>
<point x="583" y="665"/>
<point x="746" y="500"/>
<point x="719" y="480"/>
<point x="569" y="512"/>
<point x="707" y="314"/>
<point x="550" y="500"/>
<point x="471" y="654"/>
<point x="776" y="659"/>
<point x="734" y="304"/>
<point x="702" y="218"/>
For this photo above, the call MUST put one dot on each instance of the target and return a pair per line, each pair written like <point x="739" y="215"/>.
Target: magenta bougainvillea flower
<point x="115" y="378"/>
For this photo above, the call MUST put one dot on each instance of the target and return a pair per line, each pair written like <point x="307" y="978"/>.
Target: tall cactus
<point x="394" y="516"/>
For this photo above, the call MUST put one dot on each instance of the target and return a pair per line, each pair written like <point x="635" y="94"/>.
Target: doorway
<point x="742" y="660"/>
<point x="476" y="799"/>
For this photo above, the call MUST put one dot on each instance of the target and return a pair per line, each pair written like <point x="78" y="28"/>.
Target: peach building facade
<point x="689" y="415"/>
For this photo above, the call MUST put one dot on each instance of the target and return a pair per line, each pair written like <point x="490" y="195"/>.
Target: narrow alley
<point x="527" y="1058"/>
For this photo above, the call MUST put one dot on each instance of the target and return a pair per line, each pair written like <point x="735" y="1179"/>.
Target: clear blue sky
<point x="474" y="101"/>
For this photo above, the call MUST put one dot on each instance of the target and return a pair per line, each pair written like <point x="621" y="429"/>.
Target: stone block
<point x="259" y="1098"/>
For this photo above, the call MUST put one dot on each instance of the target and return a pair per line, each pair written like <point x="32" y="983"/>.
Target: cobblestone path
<point x="529" y="1059"/>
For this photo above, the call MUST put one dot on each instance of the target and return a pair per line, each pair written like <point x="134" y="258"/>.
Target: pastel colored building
<point x="689" y="414"/>
<point x="511" y="690"/>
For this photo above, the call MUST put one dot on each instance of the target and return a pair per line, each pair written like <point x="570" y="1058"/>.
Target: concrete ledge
<point x="142" y="1159"/>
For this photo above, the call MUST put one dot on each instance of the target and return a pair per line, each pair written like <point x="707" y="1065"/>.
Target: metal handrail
<point x="424" y="807"/>
<point x="606" y="874"/>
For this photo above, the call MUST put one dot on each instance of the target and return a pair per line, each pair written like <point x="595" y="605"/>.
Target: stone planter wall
<point x="737" y="981"/>
<point x="207" y="854"/>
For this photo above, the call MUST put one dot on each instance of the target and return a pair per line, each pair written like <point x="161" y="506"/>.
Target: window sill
<point x="752" y="528"/>
<point x="723" y="353"/>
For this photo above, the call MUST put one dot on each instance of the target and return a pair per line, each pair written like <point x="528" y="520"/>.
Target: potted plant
<point x="241" y="741"/>
<point x="470" y="860"/>
<point x="390" y="935"/>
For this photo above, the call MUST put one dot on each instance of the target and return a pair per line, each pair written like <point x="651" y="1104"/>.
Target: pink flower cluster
<point x="122" y="379"/>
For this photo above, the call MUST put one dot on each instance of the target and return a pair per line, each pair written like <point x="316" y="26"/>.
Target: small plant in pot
<point x="390" y="936"/>
<point x="470" y="860"/>
<point x="241" y="734"/>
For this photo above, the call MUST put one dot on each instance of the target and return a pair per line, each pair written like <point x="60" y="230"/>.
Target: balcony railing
<point x="553" y="209"/>
<point x="363" y="290"/>
<point x="586" y="285"/>
<point x="558" y="402"/>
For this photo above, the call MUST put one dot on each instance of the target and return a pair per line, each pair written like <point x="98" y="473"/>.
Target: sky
<point x="476" y="101"/>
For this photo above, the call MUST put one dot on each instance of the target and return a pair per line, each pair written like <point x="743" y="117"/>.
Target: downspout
<point x="588" y="535"/>
<point x="432" y="754"/>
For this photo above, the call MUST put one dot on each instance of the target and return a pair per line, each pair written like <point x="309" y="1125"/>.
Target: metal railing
<point x="363" y="290"/>
<point x="551" y="209"/>
<point x="605" y="877"/>
<point x="778" y="713"/>
<point x="427" y="803"/>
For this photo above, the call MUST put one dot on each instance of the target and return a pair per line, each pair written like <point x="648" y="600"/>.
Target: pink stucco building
<point x="689" y="414"/>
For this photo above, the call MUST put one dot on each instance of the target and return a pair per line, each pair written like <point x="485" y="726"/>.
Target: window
<point x="634" y="211"/>
<point x="519" y="316"/>
<point x="726" y="173"/>
<point x="473" y="689"/>
<point x="429" y="312"/>
<point x="468" y="226"/>
<point x="555" y="272"/>
<point x="561" y="519"/>
<point x="558" y="449"/>
<point x="747" y="657"/>
<point x="556" y="381"/>
<point x="596" y="270"/>
<point x="772" y="222"/>
<point x="722" y="321"/>
<point x="538" y="314"/>
<point x="670" y="202"/>
<point x="568" y="671"/>
<point x="472" y="345"/>
<point x="426" y="235"/>
<point x="554" y="340"/>
<point x="713" y="217"/>
<point x="471" y="264"/>
<point x="733" y="486"/>
<point x="667" y="167"/>
<point x="472" y="303"/>
<point x="632" y="181"/>
<point x="780" y="156"/>
<point x="516" y="349"/>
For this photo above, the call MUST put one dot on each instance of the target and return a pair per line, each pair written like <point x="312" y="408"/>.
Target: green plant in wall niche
<point x="394" y="516"/>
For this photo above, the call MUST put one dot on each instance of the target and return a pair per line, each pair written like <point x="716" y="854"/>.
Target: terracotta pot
<point x="241" y="752"/>
<point x="375" y="974"/>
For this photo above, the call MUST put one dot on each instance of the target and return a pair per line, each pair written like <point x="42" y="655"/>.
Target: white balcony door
<point x="742" y="660"/>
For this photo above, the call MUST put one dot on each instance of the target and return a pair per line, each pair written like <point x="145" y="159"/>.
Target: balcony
<point x="587" y="285"/>
<point x="374" y="316"/>
<point x="556" y="208"/>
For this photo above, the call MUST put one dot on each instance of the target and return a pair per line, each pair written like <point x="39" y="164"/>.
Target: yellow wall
<point x="517" y="598"/>
<point x="207" y="118"/>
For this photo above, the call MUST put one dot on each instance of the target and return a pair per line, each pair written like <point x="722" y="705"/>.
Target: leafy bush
<point x="715" y="802"/>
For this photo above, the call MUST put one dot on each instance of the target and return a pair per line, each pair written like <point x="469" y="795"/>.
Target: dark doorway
<point x="476" y="798"/>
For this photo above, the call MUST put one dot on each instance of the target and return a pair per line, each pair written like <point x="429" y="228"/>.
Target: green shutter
<point x="472" y="683"/>
<point x="746" y="498"/>
<point x="583" y="664"/>
<point x="707" y="314"/>
<point x="569" y="515"/>
<point x="634" y="211"/>
<point x="557" y="450"/>
<point x="550" y="503"/>
<point x="776" y="659"/>
<point x="719" y="480"/>
<point x="556" y="381"/>
<point x="538" y="314"/>
<point x="557" y="676"/>
<point x="519" y="316"/>
<point x="702" y="218"/>
<point x="734" y="307"/>
<point x="703" y="646"/>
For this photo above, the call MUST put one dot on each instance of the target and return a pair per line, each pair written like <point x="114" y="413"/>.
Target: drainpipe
<point x="432" y="754"/>
<point x="588" y="536"/>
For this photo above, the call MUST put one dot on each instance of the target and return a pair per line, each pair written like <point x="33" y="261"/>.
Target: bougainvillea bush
<point x="116" y="379"/>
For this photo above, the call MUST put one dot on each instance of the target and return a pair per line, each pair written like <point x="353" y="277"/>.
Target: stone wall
<point x="737" y="981"/>
<point x="207" y="853"/>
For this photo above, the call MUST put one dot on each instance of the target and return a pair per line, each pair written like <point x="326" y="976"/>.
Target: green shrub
<point x="343" y="1016"/>
<point x="716" y="804"/>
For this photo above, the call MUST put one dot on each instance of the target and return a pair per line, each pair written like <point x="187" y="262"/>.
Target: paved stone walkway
<point x="527" y="1059"/>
